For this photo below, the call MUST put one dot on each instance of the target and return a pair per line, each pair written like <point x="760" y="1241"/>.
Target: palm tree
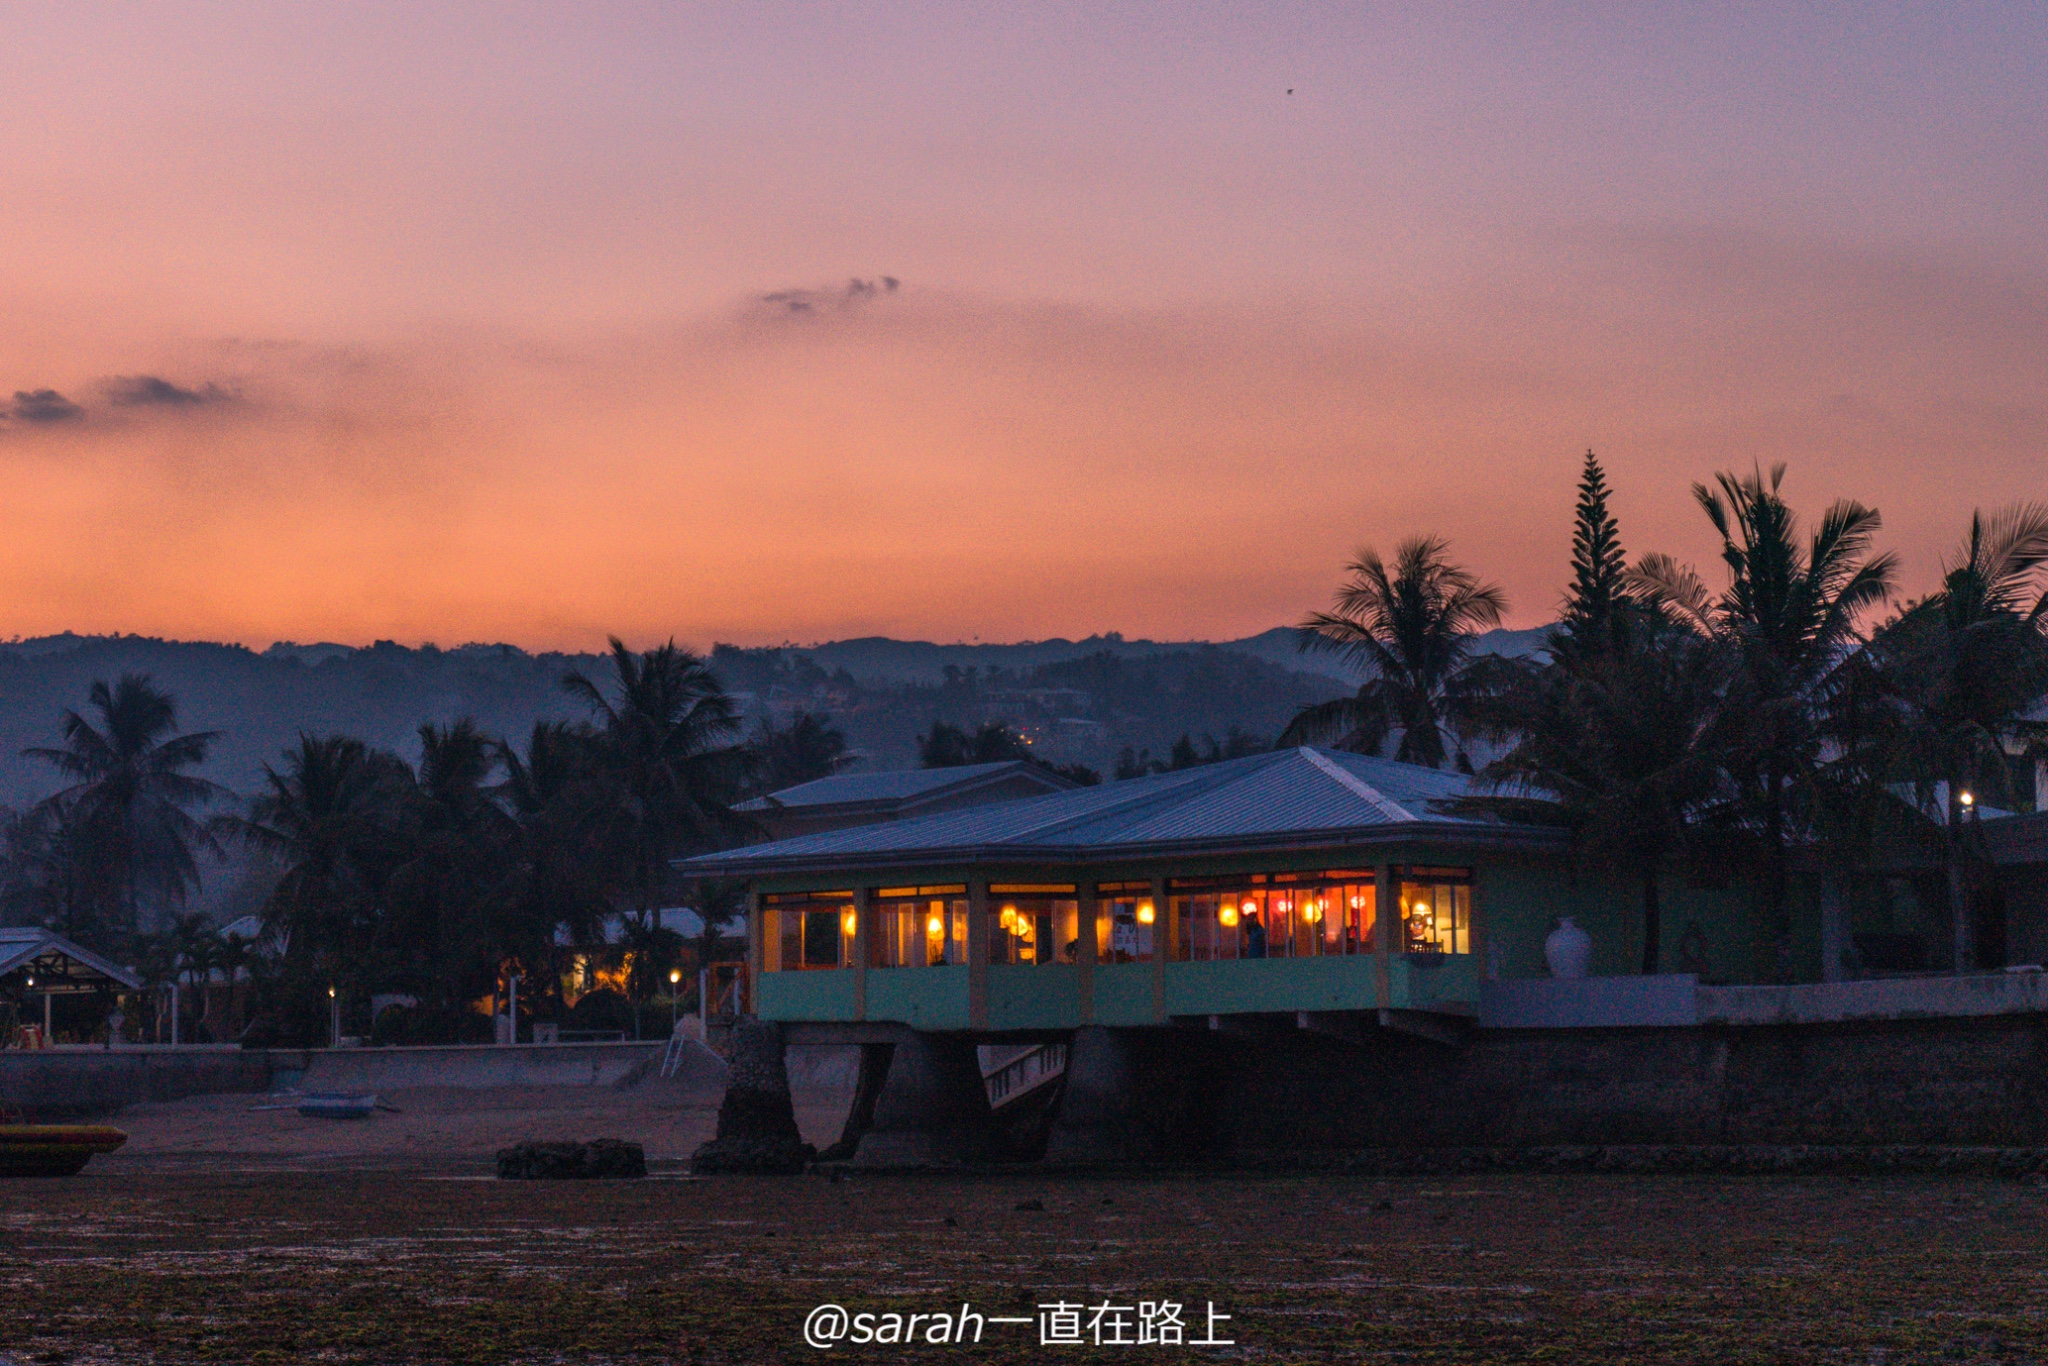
<point x="195" y="948"/>
<point x="556" y="796"/>
<point x="1622" y="749"/>
<point x="809" y="747"/>
<point x="127" y="807"/>
<point x="666" y="729"/>
<point x="1789" y="617"/>
<point x="437" y="933"/>
<point x="331" y="817"/>
<point x="1961" y="668"/>
<point x="1410" y="629"/>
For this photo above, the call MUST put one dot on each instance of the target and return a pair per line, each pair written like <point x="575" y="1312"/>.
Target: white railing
<point x="1017" y="1078"/>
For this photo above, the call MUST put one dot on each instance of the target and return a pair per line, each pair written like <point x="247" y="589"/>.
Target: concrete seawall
<point x="1975" y="1081"/>
<point x="62" y="1083"/>
<point x="480" y="1065"/>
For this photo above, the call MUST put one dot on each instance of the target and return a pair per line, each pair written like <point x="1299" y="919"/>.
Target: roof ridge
<point x="1190" y="776"/>
<point x="1358" y="786"/>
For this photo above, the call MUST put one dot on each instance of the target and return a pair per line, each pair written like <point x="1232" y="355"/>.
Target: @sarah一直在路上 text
<point x="1061" y="1323"/>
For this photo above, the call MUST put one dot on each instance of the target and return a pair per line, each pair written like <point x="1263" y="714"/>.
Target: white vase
<point x="1568" y="950"/>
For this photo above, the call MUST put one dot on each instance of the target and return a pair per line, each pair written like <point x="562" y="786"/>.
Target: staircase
<point x="1013" y="1074"/>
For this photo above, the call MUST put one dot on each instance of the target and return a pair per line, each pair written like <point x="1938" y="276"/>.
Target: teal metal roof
<point x="895" y="785"/>
<point x="1288" y="797"/>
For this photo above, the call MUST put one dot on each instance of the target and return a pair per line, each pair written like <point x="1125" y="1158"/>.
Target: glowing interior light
<point x="1228" y="914"/>
<point x="1145" y="913"/>
<point x="849" y="922"/>
<point x="1008" y="919"/>
<point x="1312" y="912"/>
<point x="935" y="927"/>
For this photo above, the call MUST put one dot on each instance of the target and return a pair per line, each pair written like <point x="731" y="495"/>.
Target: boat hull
<point x="54" y="1149"/>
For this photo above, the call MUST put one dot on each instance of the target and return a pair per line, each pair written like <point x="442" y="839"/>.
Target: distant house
<point x="850" y="799"/>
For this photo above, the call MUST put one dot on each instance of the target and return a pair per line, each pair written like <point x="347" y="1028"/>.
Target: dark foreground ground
<point x="398" y="1266"/>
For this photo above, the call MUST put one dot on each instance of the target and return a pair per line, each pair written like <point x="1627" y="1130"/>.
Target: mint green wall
<point x="1034" y="996"/>
<point x="1520" y="902"/>
<point x="924" y="998"/>
<point x="1123" y="993"/>
<point x="825" y="994"/>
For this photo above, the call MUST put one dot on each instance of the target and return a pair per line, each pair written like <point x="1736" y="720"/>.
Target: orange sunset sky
<point x="537" y="322"/>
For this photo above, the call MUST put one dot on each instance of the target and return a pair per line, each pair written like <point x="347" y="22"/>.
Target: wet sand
<point x="433" y="1127"/>
<point x="163" y="1265"/>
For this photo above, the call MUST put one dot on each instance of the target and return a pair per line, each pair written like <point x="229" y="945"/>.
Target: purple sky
<point x="464" y="316"/>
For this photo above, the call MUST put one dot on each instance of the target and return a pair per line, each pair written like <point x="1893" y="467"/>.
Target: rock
<point x="599" y="1159"/>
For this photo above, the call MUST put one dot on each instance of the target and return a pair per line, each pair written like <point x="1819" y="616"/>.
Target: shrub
<point x="600" y="1009"/>
<point x="429" y="1024"/>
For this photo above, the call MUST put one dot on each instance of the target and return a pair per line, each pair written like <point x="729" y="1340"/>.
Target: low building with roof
<point x="1301" y="880"/>
<point x="36" y="963"/>
<point x="1118" y="953"/>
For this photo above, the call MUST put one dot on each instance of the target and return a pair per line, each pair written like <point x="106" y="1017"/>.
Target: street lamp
<point x="675" y="983"/>
<point x="334" y="1018"/>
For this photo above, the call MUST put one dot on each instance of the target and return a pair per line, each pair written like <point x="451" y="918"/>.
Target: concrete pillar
<point x="1159" y="946"/>
<point x="757" y="943"/>
<point x="1084" y="954"/>
<point x="977" y="953"/>
<point x="1133" y="1095"/>
<point x="756" y="1123"/>
<point x="1833" y="932"/>
<point x="1386" y="922"/>
<point x="863" y="932"/>
<point x="932" y="1110"/>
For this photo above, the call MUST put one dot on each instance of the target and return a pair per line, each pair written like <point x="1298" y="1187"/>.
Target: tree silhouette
<point x="125" y="818"/>
<point x="1409" y="628"/>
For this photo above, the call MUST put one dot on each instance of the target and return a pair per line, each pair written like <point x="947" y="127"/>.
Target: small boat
<point x="336" y="1105"/>
<point x="54" y="1149"/>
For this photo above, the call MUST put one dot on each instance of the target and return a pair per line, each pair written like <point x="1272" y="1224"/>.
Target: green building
<point x="1301" y="882"/>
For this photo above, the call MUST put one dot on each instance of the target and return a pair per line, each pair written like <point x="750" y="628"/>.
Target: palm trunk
<point x="1775" y="921"/>
<point x="1653" y="920"/>
<point x="1959" y="908"/>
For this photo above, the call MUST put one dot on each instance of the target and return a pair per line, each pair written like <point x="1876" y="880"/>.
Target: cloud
<point x="43" y="405"/>
<point x="152" y="391"/>
<point x="853" y="292"/>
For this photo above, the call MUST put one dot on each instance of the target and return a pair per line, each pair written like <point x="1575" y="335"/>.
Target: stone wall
<point x="63" y="1083"/>
<point x="1964" y="1081"/>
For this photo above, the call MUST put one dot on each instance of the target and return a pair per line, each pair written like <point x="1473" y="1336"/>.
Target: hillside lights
<point x="1146" y="914"/>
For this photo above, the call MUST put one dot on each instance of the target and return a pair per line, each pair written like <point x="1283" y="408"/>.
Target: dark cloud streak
<point x="153" y="391"/>
<point x="43" y="405"/>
